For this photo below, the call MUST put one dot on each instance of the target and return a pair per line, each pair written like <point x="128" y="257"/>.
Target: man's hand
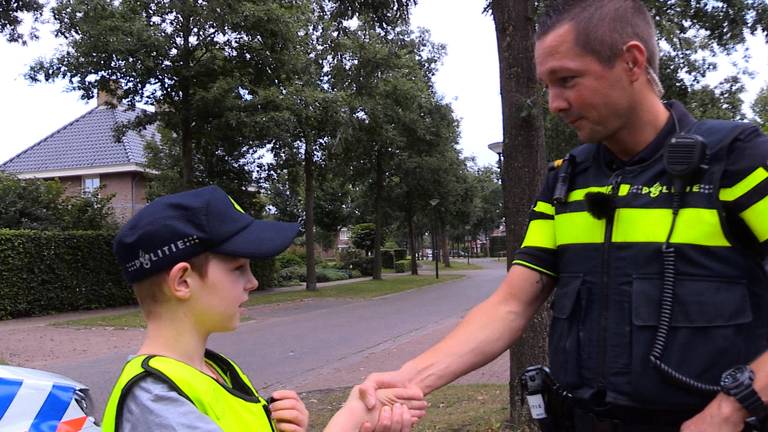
<point x="389" y="380"/>
<point x="289" y="412"/>
<point x="723" y="414"/>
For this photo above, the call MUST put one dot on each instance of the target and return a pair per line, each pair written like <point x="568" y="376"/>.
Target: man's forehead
<point x="557" y="51"/>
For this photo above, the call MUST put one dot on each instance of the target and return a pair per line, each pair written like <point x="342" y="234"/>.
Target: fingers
<point x="377" y="381"/>
<point x="289" y="412"/>
<point x="394" y="419"/>
<point x="412" y="397"/>
<point x="285" y="394"/>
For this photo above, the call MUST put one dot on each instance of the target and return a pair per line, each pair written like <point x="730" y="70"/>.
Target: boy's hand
<point x="394" y="419"/>
<point x="289" y="412"/>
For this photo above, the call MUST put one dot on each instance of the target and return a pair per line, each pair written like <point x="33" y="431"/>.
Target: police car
<point x="32" y="400"/>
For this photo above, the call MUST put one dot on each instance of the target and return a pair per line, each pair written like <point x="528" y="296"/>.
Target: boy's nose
<point x="253" y="283"/>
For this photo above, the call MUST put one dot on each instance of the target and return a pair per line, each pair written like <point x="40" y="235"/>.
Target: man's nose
<point x="556" y="101"/>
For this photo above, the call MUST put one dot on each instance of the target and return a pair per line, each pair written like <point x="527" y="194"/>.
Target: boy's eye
<point x="567" y="80"/>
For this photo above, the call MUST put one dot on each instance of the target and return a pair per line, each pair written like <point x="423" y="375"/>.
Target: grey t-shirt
<point x="153" y="405"/>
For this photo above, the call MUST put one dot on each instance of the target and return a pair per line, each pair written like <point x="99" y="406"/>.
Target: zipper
<point x="605" y="293"/>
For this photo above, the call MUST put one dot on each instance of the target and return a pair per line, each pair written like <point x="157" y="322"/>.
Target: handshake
<point x="377" y="405"/>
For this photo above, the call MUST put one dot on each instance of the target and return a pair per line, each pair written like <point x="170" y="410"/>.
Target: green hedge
<point x="402" y="266"/>
<point x="44" y="272"/>
<point x="265" y="271"/>
<point x="389" y="256"/>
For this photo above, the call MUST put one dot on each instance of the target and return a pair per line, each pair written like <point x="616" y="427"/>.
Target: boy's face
<point x="219" y="295"/>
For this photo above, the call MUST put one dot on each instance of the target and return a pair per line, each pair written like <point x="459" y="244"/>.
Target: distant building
<point x="84" y="155"/>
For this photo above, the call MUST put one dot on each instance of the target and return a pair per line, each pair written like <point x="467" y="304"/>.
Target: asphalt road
<point x="285" y="346"/>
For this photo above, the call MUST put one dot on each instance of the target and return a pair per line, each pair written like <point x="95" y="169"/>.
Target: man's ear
<point x="634" y="59"/>
<point x="179" y="281"/>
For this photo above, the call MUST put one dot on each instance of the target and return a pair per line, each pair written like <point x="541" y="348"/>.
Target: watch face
<point x="735" y="377"/>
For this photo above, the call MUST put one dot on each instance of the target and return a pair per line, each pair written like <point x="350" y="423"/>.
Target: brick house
<point x="84" y="155"/>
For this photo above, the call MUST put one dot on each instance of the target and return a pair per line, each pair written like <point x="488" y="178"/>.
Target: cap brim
<point x="261" y="239"/>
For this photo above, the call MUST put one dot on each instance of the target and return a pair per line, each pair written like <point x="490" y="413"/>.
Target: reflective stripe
<point x="53" y="409"/>
<point x="235" y="204"/>
<point x="8" y="390"/>
<point x="578" y="194"/>
<point x="693" y="226"/>
<point x="756" y="218"/>
<point x="73" y="425"/>
<point x="578" y="227"/>
<point x="543" y="207"/>
<point x="25" y="406"/>
<point x="533" y="267"/>
<point x="744" y="186"/>
<point x="624" y="189"/>
<point x="540" y="234"/>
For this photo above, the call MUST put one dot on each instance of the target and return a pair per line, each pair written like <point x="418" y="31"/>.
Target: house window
<point x="90" y="184"/>
<point x="344" y="234"/>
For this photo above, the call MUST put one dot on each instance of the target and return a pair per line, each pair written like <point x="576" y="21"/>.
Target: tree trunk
<point x="488" y="243"/>
<point x="412" y="242"/>
<point x="523" y="165"/>
<point x="309" y="213"/>
<point x="379" y="192"/>
<point x="187" y="155"/>
<point x="444" y="249"/>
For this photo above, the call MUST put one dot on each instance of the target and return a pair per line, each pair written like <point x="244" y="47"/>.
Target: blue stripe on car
<point x="53" y="409"/>
<point x="8" y="390"/>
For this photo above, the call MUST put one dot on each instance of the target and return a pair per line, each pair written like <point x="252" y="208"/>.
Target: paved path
<point x="324" y="343"/>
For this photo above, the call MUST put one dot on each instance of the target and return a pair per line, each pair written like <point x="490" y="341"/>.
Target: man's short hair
<point x="603" y="27"/>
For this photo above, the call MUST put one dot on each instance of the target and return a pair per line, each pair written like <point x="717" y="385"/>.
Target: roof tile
<point x="86" y="142"/>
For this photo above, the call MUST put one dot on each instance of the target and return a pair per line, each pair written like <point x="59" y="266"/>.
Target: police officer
<point x="651" y="239"/>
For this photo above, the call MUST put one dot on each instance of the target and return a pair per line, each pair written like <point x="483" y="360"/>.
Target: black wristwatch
<point x="737" y="382"/>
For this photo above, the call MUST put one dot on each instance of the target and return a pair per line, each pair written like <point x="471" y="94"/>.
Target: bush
<point x="402" y="266"/>
<point x="43" y="272"/>
<point x="290" y="258"/>
<point x="389" y="256"/>
<point x="346" y="256"/>
<point x="364" y="265"/>
<point x="330" y="275"/>
<point x="292" y="275"/>
<point x="265" y="271"/>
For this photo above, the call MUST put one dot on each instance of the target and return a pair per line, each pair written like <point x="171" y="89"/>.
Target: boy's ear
<point x="179" y="283"/>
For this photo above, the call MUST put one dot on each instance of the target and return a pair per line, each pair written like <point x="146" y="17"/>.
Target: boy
<point x="187" y="257"/>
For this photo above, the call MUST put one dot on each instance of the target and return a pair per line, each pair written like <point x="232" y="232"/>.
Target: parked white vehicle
<point x="32" y="400"/>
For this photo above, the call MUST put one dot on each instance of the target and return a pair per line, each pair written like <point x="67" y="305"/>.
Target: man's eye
<point x="567" y="80"/>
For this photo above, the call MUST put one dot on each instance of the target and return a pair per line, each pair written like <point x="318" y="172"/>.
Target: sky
<point x="468" y="78"/>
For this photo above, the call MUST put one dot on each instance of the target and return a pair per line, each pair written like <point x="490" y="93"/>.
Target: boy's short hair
<point x="149" y="292"/>
<point x="181" y="226"/>
<point x="603" y="27"/>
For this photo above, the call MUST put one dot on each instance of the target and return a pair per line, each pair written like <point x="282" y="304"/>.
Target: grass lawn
<point x="458" y="264"/>
<point x="364" y="289"/>
<point x="3" y="361"/>
<point x="473" y="407"/>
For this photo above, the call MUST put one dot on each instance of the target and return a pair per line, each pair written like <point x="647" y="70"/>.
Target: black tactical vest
<point x="606" y="304"/>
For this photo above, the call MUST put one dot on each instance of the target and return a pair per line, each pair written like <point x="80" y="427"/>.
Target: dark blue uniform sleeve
<point x="744" y="186"/>
<point x="538" y="250"/>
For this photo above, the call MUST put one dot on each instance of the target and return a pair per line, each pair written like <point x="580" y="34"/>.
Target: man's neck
<point x="639" y="131"/>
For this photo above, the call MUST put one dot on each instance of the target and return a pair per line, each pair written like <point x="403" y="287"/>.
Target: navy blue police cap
<point x="178" y="227"/>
